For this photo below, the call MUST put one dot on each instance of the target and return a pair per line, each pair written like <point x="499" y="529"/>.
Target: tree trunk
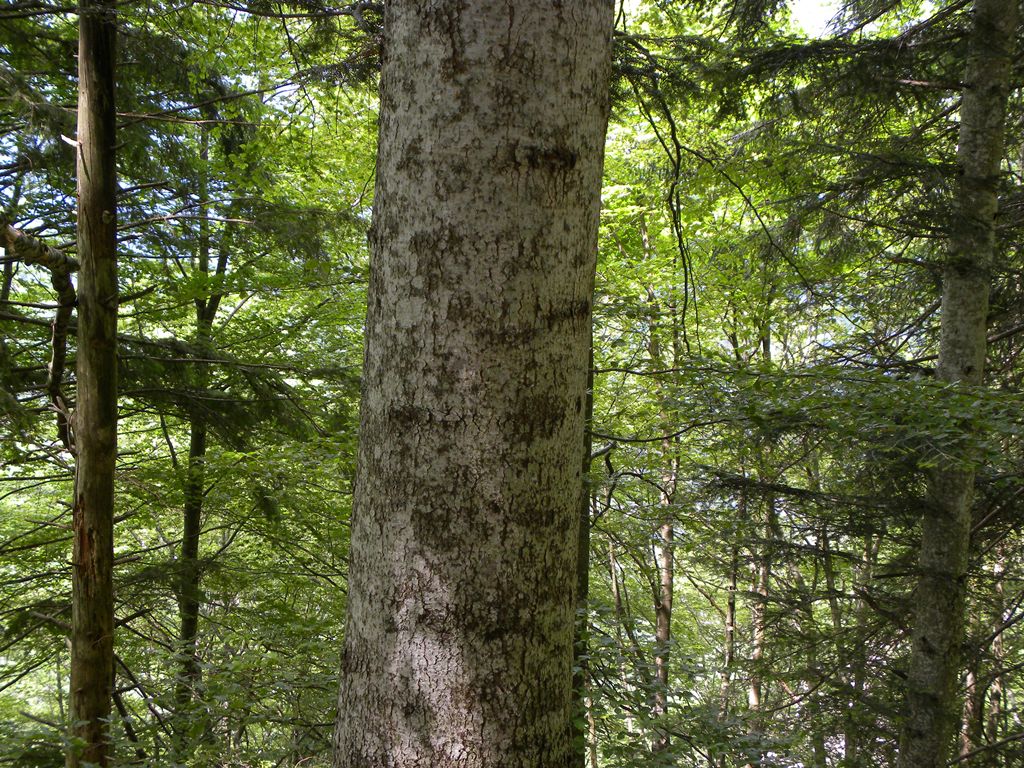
<point x="729" y="627"/>
<point x="462" y="584"/>
<point x="931" y="704"/>
<point x="664" y="536"/>
<point x="581" y="642"/>
<point x="858" y="724"/>
<point x="624" y="630"/>
<point x="92" y="655"/>
<point x="972" y="720"/>
<point x="763" y="562"/>
<point x="189" y="591"/>
<point x="194" y="490"/>
<point x="994" y="715"/>
<point x="664" y="548"/>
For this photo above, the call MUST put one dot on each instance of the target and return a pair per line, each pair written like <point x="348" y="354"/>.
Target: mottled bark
<point x="95" y="418"/>
<point x="931" y="703"/>
<point x="462" y="587"/>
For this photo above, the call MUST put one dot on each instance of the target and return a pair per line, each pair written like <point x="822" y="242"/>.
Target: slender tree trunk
<point x="994" y="714"/>
<point x="762" y="579"/>
<point x="729" y="637"/>
<point x="462" y="583"/>
<point x="665" y="554"/>
<point x="190" y="576"/>
<point x="92" y="634"/>
<point x="623" y="631"/>
<point x="854" y="724"/>
<point x="846" y="675"/>
<point x="189" y="590"/>
<point x="758" y="613"/>
<point x="581" y="646"/>
<point x="931" y="704"/>
<point x="664" y="536"/>
<point x="729" y="631"/>
<point x="972" y="719"/>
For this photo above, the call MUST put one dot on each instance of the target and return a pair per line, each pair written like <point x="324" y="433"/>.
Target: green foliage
<point x="766" y="323"/>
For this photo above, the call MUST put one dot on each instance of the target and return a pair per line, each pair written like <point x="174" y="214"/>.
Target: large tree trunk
<point x="459" y="642"/>
<point x="92" y="654"/>
<point x="931" y="705"/>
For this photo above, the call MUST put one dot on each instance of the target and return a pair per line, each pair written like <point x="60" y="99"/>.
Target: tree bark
<point x="462" y="585"/>
<point x="95" y="419"/>
<point x="931" y="703"/>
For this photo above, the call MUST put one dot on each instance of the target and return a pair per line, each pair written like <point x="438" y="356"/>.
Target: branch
<point x="31" y="250"/>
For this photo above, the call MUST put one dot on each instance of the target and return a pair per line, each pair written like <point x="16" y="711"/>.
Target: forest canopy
<point x="799" y="541"/>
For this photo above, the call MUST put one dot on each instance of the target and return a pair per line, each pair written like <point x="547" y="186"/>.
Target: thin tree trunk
<point x="729" y="630"/>
<point x="992" y="717"/>
<point x="931" y="704"/>
<point x="758" y="612"/>
<point x="763" y="562"/>
<point x="664" y="537"/>
<point x="665" y="555"/>
<point x="804" y="624"/>
<point x="190" y="576"/>
<point x="846" y="675"/>
<point x="853" y="726"/>
<point x="581" y="646"/>
<point x="972" y="719"/>
<point x="189" y="591"/>
<point x="622" y="627"/>
<point x="190" y="573"/>
<point x="462" y="583"/>
<point x="92" y="634"/>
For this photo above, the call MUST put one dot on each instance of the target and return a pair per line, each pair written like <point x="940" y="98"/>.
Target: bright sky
<point x="814" y="15"/>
